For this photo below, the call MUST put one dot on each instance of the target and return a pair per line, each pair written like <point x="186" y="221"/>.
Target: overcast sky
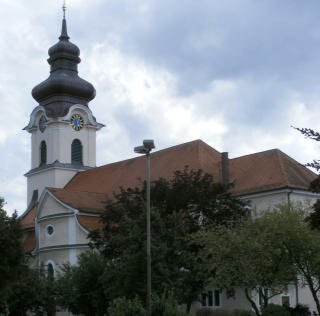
<point x="234" y="73"/>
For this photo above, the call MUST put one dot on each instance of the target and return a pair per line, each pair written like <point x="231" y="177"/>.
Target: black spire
<point x="64" y="87"/>
<point x="64" y="33"/>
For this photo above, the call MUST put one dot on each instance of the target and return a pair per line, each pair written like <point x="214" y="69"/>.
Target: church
<point x="66" y="191"/>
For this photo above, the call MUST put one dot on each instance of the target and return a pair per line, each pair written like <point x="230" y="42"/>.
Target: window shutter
<point x="76" y="152"/>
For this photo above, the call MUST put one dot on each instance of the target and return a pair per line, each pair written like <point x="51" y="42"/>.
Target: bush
<point x="212" y="312"/>
<point x="204" y="312"/>
<point x="221" y="312"/>
<point x="242" y="312"/>
<point x="165" y="305"/>
<point x="275" y="310"/>
<point x="300" y="310"/>
<point x="124" y="307"/>
<point x="161" y="306"/>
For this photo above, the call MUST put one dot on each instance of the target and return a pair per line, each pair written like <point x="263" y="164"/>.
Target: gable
<point x="50" y="205"/>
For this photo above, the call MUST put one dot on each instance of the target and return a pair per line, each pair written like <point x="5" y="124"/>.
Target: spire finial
<point x="64" y="33"/>
<point x="64" y="8"/>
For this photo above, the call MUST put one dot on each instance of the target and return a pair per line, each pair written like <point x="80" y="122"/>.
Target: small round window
<point x="49" y="230"/>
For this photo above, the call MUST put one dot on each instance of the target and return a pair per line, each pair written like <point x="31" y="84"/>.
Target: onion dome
<point x="64" y="87"/>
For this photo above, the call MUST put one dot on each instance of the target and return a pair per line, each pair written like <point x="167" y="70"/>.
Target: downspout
<point x="288" y="197"/>
<point x="37" y="236"/>
<point x="297" y="292"/>
<point x="225" y="168"/>
<point x="296" y="281"/>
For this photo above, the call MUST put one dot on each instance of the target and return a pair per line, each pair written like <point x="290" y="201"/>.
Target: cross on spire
<point x="64" y="8"/>
<point x="64" y="34"/>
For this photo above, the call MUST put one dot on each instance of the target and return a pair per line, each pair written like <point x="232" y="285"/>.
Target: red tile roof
<point x="90" y="223"/>
<point x="29" y="241"/>
<point x="81" y="200"/>
<point x="129" y="173"/>
<point x="27" y="219"/>
<point x="269" y="170"/>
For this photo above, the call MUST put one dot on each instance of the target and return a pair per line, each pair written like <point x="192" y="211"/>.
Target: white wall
<point x="59" y="136"/>
<point x="69" y="239"/>
<point x="51" y="177"/>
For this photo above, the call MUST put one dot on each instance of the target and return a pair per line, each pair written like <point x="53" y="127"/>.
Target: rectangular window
<point x="210" y="298"/>
<point x="217" y="297"/>
<point x="285" y="300"/>
<point x="260" y="297"/>
<point x="203" y="299"/>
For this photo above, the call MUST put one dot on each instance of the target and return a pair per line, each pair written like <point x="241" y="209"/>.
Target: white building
<point x="66" y="191"/>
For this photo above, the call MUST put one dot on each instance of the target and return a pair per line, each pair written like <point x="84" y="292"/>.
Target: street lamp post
<point x="145" y="149"/>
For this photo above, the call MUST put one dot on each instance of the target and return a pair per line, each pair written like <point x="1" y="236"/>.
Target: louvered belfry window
<point x="76" y="152"/>
<point x="43" y="153"/>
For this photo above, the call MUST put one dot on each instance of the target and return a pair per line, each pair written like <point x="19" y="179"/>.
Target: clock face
<point x="42" y="123"/>
<point x="76" y="122"/>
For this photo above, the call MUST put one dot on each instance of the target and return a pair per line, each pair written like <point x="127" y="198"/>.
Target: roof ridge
<point x="198" y="153"/>
<point x="155" y="153"/>
<point x="257" y="153"/>
<point x="77" y="191"/>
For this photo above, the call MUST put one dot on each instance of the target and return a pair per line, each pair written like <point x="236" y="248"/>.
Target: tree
<point x="32" y="291"/>
<point x="302" y="245"/>
<point x="11" y="250"/>
<point x="266" y="253"/>
<point x="313" y="219"/>
<point x="247" y="256"/>
<point x="191" y="201"/>
<point x="80" y="287"/>
<point x="314" y="135"/>
<point x="315" y="164"/>
<point x="22" y="289"/>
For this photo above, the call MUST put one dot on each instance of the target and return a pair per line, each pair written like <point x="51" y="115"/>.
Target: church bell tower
<point x="62" y="127"/>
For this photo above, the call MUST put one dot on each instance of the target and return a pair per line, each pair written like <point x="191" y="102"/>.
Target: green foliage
<point x="221" y="312"/>
<point x="11" y="251"/>
<point x="265" y="254"/>
<point x="204" y="312"/>
<point x="161" y="306"/>
<point x="253" y="255"/>
<point x="275" y="310"/>
<point x="300" y="310"/>
<point x="165" y="305"/>
<point x="34" y="292"/>
<point x="302" y="247"/>
<point x="81" y="288"/>
<point x="191" y="201"/>
<point x="313" y="219"/>
<point x="212" y="312"/>
<point x="314" y="135"/>
<point x="242" y="312"/>
<point x="315" y="185"/>
<point x="126" y="307"/>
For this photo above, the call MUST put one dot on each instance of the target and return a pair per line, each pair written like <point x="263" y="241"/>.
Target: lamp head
<point x="140" y="150"/>
<point x="149" y="144"/>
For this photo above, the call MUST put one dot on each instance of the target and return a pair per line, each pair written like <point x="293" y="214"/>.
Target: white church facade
<point x="67" y="192"/>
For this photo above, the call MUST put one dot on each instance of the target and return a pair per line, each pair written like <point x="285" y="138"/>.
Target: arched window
<point x="43" y="153"/>
<point x="50" y="271"/>
<point x="76" y="152"/>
